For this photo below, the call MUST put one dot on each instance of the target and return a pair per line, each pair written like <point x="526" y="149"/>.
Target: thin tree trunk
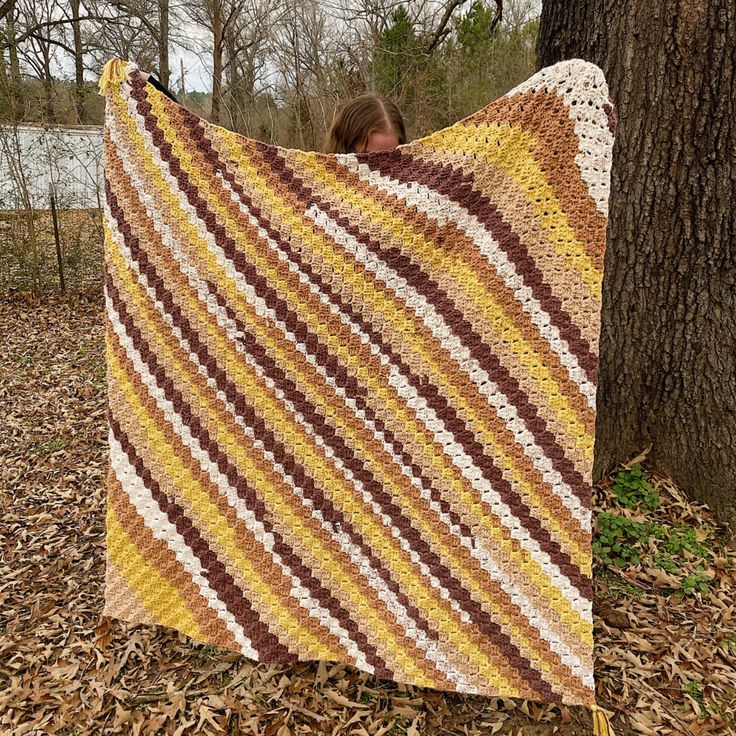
<point x="16" y="81"/>
<point x="48" y="87"/>
<point x="163" y="42"/>
<point x="217" y="49"/>
<point x="79" y="88"/>
<point x="668" y="336"/>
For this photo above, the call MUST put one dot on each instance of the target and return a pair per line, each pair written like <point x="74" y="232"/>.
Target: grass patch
<point x="49" y="448"/>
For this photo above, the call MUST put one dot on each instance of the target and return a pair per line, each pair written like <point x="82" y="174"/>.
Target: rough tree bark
<point x="668" y="336"/>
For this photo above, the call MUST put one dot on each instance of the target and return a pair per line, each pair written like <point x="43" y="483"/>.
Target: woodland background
<point x="278" y="67"/>
<point x="665" y="565"/>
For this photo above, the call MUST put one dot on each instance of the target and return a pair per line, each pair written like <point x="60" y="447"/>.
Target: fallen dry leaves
<point x="666" y="664"/>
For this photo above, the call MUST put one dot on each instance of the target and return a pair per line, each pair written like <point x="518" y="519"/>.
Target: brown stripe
<point x="160" y="555"/>
<point x="473" y="447"/>
<point x="480" y="618"/>
<point x="457" y="185"/>
<point x="427" y="665"/>
<point x="390" y="583"/>
<point x="344" y="452"/>
<point x="307" y="194"/>
<point x="269" y="573"/>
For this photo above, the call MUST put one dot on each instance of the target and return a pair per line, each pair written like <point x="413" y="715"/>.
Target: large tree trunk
<point x="668" y="336"/>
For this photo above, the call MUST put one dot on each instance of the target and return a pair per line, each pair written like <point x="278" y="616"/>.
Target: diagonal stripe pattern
<point x="352" y="397"/>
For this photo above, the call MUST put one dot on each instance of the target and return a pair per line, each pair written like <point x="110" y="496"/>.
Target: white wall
<point x="68" y="158"/>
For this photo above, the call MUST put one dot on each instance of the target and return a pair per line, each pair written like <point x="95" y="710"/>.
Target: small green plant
<point x="684" y="538"/>
<point x="665" y="562"/>
<point x="619" y="540"/>
<point x="401" y="723"/>
<point x="48" y="448"/>
<point x="729" y="642"/>
<point x="696" y="583"/>
<point x="695" y="691"/>
<point x="633" y="489"/>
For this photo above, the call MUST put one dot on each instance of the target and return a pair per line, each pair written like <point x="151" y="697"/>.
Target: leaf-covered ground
<point x="664" y="612"/>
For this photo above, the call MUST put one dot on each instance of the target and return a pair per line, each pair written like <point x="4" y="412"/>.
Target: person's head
<point x="366" y="123"/>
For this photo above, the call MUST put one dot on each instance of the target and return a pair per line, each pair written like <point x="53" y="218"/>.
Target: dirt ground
<point x="664" y="613"/>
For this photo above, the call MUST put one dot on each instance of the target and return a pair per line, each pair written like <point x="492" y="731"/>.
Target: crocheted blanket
<point x="352" y="397"/>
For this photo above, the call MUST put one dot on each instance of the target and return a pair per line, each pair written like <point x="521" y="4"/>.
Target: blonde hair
<point x="358" y="119"/>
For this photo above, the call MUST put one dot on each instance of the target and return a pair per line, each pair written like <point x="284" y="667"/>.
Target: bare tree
<point x="248" y="47"/>
<point x="219" y="17"/>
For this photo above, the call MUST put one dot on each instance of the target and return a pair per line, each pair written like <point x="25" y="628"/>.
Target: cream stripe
<point x="434" y="652"/>
<point x="163" y="530"/>
<point x="426" y="415"/>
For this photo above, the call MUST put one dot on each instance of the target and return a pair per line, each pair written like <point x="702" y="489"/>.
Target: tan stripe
<point x="546" y="115"/>
<point x="158" y="553"/>
<point x="121" y="601"/>
<point x="474" y="562"/>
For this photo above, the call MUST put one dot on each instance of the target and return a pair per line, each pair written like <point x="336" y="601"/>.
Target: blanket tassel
<point x="601" y="722"/>
<point x="113" y="74"/>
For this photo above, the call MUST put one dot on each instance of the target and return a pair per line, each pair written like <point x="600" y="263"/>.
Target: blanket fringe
<point x="113" y="74"/>
<point x="601" y="722"/>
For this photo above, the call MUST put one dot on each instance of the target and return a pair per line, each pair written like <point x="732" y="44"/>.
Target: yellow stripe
<point x="577" y="553"/>
<point x="161" y="599"/>
<point x="298" y="529"/>
<point x="514" y="155"/>
<point x="381" y="466"/>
